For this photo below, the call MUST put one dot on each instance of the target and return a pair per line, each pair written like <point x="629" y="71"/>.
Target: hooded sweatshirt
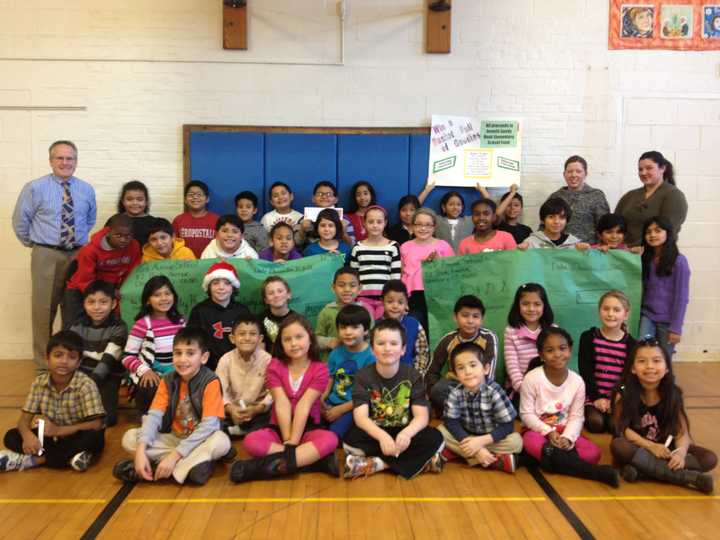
<point x="179" y="252"/>
<point x="99" y="260"/>
<point x="217" y="322"/>
<point x="214" y="251"/>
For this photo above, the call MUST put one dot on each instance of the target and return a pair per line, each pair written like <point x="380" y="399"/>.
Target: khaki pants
<point x="212" y="449"/>
<point x="48" y="268"/>
<point x="512" y="444"/>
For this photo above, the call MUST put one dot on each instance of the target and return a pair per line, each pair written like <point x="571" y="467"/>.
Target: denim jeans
<point x="660" y="331"/>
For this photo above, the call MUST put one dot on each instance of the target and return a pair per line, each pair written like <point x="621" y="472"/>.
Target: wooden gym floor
<point x="459" y="503"/>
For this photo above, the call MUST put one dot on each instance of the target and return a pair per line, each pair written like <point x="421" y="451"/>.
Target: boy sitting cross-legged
<point x="181" y="433"/>
<point x="478" y="418"/>
<point x="391" y="414"/>
<point x="69" y="404"/>
<point x="242" y="375"/>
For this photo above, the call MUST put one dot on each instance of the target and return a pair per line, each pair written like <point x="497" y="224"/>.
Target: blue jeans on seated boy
<point x="342" y="425"/>
<point x="660" y="331"/>
<point x="213" y="448"/>
<point x="60" y="450"/>
<point x="439" y="392"/>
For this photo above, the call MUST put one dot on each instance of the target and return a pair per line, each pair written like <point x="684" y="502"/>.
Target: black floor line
<point x="575" y="522"/>
<point x="97" y="526"/>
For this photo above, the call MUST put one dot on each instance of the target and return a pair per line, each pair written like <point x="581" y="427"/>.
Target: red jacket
<point x="94" y="262"/>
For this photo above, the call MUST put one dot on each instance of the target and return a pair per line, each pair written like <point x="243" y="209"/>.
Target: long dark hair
<point x="152" y="285"/>
<point x="540" y="343"/>
<point x="133" y="185"/>
<point x="627" y="397"/>
<point x="352" y="203"/>
<point x="278" y="351"/>
<point x="515" y="319"/>
<point x="659" y="159"/>
<point x="668" y="253"/>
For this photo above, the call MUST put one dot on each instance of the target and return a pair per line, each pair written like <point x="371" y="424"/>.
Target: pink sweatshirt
<point x="545" y="407"/>
<point x="413" y="254"/>
<point x="520" y="347"/>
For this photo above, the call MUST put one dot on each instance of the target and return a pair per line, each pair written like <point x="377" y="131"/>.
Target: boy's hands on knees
<point x="387" y="445"/>
<point x="142" y="464"/>
<point x="149" y="378"/>
<point x="485" y="457"/>
<point x="167" y="465"/>
<point x="602" y="405"/>
<point x="402" y="441"/>
<point x="471" y="446"/>
<point x="31" y="444"/>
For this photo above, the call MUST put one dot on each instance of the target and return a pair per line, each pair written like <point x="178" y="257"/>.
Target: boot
<point x="328" y="464"/>
<point x="265" y="468"/>
<point x="658" y="469"/>
<point x="569" y="462"/>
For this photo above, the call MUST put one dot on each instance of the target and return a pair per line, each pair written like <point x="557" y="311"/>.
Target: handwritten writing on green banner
<point x="309" y="279"/>
<point x="574" y="282"/>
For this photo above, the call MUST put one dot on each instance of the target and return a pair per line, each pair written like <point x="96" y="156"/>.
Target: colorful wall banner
<point x="692" y="25"/>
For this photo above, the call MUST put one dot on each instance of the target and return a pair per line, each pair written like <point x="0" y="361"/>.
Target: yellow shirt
<point x="179" y="252"/>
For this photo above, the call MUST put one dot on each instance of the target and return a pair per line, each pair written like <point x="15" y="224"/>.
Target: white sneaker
<point x="12" y="461"/>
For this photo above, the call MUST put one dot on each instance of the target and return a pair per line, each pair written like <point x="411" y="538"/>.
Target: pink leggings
<point x="258" y="442"/>
<point x="374" y="305"/>
<point x="587" y="450"/>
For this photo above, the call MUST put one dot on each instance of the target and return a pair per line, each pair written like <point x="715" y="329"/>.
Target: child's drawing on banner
<point x="637" y="20"/>
<point x="676" y="22"/>
<point x="711" y="21"/>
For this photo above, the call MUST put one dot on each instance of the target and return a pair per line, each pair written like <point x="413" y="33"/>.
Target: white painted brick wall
<point x="521" y="57"/>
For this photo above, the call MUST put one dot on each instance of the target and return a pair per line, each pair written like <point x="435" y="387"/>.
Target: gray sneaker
<point x="12" y="461"/>
<point x="81" y="461"/>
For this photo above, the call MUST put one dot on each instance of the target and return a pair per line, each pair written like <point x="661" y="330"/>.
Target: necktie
<point x="67" y="218"/>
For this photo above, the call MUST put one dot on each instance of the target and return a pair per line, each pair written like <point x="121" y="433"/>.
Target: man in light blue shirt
<point x="53" y="215"/>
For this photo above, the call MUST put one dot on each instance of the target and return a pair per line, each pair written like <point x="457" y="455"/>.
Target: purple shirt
<point x="267" y="254"/>
<point x="665" y="298"/>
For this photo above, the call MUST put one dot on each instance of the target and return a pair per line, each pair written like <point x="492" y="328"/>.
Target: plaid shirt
<point x="78" y="402"/>
<point x="478" y="413"/>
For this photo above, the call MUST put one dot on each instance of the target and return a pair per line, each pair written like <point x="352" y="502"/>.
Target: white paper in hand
<point x="41" y="436"/>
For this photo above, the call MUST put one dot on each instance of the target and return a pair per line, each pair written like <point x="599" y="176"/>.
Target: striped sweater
<point x="601" y="362"/>
<point x="138" y="357"/>
<point x="520" y="347"/>
<point x="102" y="344"/>
<point x="376" y="264"/>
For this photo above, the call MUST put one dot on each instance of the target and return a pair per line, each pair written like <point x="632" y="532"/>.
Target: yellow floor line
<point x="644" y="498"/>
<point x="265" y="500"/>
<point x="52" y="501"/>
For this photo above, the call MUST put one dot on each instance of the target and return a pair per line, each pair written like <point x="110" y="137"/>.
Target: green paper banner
<point x="573" y="280"/>
<point x="309" y="278"/>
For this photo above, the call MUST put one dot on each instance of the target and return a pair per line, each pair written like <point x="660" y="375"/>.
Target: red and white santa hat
<point x="221" y="270"/>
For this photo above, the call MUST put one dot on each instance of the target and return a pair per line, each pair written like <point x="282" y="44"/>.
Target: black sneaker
<point x="81" y="461"/>
<point x="244" y="470"/>
<point x="630" y="473"/>
<point x="125" y="471"/>
<point x="200" y="473"/>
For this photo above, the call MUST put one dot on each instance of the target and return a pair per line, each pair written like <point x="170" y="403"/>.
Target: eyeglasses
<point x="324" y="194"/>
